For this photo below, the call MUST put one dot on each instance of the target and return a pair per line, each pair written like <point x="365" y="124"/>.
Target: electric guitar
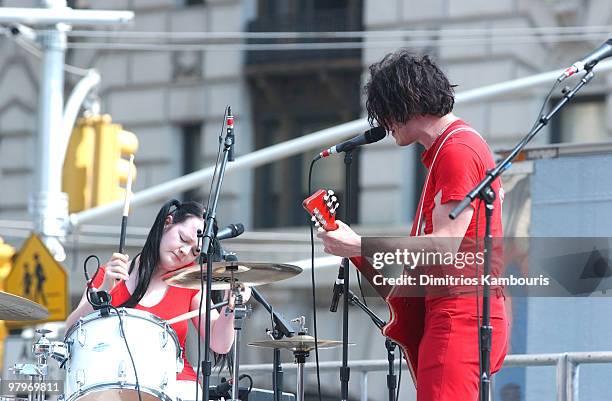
<point x="405" y="326"/>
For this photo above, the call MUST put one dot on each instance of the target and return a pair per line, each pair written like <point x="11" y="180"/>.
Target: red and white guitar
<point x="405" y="326"/>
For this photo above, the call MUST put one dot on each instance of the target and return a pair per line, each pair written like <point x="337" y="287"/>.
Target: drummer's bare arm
<point x="221" y="329"/>
<point x="116" y="268"/>
<point x="82" y="309"/>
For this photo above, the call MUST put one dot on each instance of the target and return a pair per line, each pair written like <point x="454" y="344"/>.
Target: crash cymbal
<point x="247" y="273"/>
<point x="303" y="343"/>
<point x="13" y="307"/>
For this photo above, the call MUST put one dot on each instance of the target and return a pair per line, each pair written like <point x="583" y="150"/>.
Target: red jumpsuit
<point x="444" y="353"/>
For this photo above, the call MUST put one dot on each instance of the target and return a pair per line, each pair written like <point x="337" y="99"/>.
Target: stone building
<point x="174" y="100"/>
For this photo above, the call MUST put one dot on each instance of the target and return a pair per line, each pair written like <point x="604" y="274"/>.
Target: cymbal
<point x="247" y="273"/>
<point x="14" y="307"/>
<point x="303" y="343"/>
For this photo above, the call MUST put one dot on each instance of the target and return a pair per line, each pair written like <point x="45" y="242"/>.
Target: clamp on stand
<point x="300" y="356"/>
<point x="241" y="312"/>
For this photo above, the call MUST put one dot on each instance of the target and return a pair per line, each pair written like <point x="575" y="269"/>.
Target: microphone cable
<point x="312" y="280"/>
<point x="97" y="304"/>
<point x="544" y="104"/>
<point x="399" y="378"/>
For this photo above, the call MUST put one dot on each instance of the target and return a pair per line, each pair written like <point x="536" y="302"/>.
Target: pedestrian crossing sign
<point x="36" y="275"/>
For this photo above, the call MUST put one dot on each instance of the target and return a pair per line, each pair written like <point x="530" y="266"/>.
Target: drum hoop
<point x="140" y="314"/>
<point x="114" y="385"/>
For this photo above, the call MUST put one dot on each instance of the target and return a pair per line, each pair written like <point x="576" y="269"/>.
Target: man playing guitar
<point x="413" y="100"/>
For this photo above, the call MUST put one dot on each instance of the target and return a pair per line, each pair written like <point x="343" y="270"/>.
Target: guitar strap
<point x="417" y="227"/>
<point x="414" y="307"/>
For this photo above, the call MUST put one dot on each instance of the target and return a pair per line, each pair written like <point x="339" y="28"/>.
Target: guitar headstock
<point x="322" y="207"/>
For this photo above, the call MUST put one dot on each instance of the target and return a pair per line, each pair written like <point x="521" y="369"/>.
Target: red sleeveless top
<point x="175" y="301"/>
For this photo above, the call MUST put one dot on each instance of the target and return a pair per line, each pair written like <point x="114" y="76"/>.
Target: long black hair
<point x="149" y="256"/>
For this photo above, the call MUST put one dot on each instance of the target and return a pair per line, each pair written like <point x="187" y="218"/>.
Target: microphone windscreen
<point x="375" y="134"/>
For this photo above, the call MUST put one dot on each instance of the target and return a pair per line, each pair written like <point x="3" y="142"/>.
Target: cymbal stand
<point x="42" y="350"/>
<point x="241" y="311"/>
<point x="280" y="328"/>
<point x="300" y="358"/>
<point x="389" y="344"/>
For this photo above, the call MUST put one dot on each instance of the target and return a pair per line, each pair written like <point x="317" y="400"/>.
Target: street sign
<point x="36" y="275"/>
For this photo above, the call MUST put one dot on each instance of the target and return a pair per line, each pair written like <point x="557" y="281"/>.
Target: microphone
<point x="338" y="285"/>
<point x="230" y="134"/>
<point x="231" y="231"/>
<point x="221" y="390"/>
<point x="588" y="62"/>
<point x="99" y="299"/>
<point x="370" y="136"/>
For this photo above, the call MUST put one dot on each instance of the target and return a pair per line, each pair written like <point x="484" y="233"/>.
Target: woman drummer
<point x="172" y="243"/>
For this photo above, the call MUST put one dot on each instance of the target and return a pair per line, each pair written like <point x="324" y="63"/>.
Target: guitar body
<point x="406" y="314"/>
<point x="406" y="320"/>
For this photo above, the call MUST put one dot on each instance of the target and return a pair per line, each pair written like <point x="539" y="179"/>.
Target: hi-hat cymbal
<point x="303" y="343"/>
<point x="13" y="307"/>
<point x="247" y="273"/>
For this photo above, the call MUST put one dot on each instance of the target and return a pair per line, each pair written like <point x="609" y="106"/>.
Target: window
<point x="330" y="4"/>
<point x="283" y="185"/>
<point x="192" y="155"/>
<point x="582" y="120"/>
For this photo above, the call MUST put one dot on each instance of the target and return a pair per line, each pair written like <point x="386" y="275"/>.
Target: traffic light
<point x="94" y="167"/>
<point x="110" y="168"/>
<point x="6" y="262"/>
<point x="77" y="173"/>
<point x="6" y="258"/>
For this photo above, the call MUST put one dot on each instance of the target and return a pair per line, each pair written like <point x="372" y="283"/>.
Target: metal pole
<point x="240" y="313"/>
<point x="364" y="385"/>
<point x="300" y="360"/>
<point x="345" y="371"/>
<point x="572" y="380"/>
<point x="58" y="13"/>
<point x="49" y="206"/>
<point x="562" y="378"/>
<point x="80" y="92"/>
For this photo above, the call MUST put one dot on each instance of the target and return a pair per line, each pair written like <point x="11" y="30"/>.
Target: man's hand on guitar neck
<point x="341" y="242"/>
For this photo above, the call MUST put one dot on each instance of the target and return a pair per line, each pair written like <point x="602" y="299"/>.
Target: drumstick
<point x="193" y="313"/>
<point x="126" y="206"/>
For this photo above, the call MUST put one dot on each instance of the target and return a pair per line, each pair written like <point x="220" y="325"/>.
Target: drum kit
<point x="100" y="366"/>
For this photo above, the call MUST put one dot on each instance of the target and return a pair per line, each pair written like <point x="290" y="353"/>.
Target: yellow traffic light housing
<point x="6" y="258"/>
<point x="95" y="171"/>
<point x="7" y="253"/>
<point x="77" y="173"/>
<point x="110" y="168"/>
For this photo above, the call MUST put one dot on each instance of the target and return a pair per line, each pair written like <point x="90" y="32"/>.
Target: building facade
<point x="174" y="100"/>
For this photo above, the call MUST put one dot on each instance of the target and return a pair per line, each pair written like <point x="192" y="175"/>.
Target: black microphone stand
<point x="484" y="192"/>
<point x="389" y="344"/>
<point x="345" y="371"/>
<point x="207" y="238"/>
<point x="281" y="328"/>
